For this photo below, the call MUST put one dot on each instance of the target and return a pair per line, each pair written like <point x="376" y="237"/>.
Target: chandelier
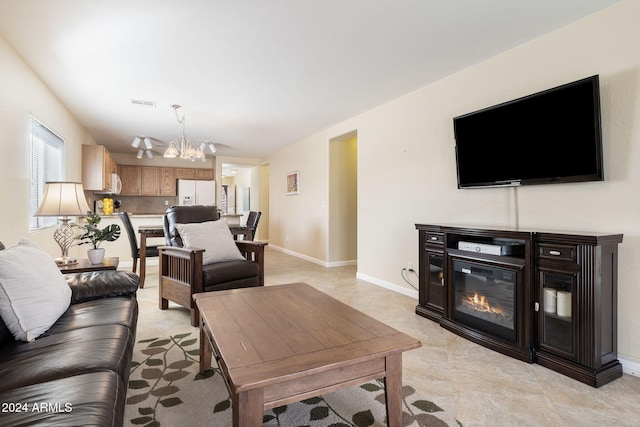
<point x="183" y="148"/>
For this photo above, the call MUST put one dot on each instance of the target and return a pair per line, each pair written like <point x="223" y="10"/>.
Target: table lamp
<point x="63" y="199"/>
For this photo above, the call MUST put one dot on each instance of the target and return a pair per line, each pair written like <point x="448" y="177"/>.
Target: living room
<point x="406" y="160"/>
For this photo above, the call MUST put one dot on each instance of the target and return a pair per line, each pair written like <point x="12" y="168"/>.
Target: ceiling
<point x="256" y="75"/>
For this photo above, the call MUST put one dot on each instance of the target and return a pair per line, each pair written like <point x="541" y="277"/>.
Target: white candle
<point x="550" y="300"/>
<point x="564" y="303"/>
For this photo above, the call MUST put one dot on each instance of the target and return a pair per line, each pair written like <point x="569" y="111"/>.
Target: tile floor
<point x="481" y="387"/>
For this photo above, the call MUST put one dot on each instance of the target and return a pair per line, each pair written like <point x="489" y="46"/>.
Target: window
<point x="46" y="163"/>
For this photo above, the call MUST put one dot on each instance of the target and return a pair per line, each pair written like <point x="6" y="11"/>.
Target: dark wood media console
<point x="548" y="298"/>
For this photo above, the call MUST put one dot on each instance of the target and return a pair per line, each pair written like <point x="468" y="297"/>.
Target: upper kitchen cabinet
<point x="194" y="173"/>
<point x="97" y="168"/>
<point x="158" y="181"/>
<point x="167" y="182"/>
<point x="131" y="180"/>
<point x="150" y="178"/>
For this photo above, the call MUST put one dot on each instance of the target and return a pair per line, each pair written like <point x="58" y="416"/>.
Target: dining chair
<point x="247" y="231"/>
<point x="150" y="251"/>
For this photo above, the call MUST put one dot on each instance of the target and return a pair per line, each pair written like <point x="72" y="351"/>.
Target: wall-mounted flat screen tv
<point x="549" y="137"/>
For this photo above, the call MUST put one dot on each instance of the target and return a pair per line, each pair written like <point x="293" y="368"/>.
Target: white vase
<point x="95" y="255"/>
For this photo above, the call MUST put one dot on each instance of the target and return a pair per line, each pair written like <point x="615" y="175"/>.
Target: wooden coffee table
<point x="280" y="344"/>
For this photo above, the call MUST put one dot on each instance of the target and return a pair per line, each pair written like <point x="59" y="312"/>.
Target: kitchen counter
<point x="134" y="215"/>
<point x="121" y="247"/>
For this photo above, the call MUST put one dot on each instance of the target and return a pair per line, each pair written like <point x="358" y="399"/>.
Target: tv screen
<point x="549" y="137"/>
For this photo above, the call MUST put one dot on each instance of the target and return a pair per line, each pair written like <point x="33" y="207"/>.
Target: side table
<point x="83" y="265"/>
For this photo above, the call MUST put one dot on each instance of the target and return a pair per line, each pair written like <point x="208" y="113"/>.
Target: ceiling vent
<point x="143" y="103"/>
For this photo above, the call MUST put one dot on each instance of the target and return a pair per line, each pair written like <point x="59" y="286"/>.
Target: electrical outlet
<point x="166" y="203"/>
<point x="409" y="266"/>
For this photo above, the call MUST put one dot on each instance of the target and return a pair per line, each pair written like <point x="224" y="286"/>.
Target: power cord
<point x="403" y="273"/>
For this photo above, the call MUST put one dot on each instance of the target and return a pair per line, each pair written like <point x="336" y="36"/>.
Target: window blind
<point x="46" y="164"/>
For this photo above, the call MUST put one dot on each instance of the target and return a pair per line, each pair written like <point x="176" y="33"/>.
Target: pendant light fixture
<point x="183" y="148"/>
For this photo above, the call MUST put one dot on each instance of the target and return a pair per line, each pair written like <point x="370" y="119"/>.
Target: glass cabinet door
<point x="434" y="295"/>
<point x="557" y="327"/>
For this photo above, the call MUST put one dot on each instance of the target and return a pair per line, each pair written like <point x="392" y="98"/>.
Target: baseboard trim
<point x="388" y="285"/>
<point x="313" y="260"/>
<point x="629" y="367"/>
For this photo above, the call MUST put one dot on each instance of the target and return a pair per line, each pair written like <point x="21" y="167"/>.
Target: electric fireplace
<point x="543" y="297"/>
<point x="484" y="298"/>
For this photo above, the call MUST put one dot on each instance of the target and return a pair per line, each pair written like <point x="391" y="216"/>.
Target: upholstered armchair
<point x="201" y="256"/>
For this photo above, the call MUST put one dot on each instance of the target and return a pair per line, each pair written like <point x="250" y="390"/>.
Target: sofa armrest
<point x="101" y="284"/>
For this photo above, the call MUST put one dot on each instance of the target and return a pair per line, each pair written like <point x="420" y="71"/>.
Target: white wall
<point x="406" y="161"/>
<point x="299" y="223"/>
<point x="23" y="93"/>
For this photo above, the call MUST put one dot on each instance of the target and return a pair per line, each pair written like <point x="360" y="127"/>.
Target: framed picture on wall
<point x="293" y="183"/>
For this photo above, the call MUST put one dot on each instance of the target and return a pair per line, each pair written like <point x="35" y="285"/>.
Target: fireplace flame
<point x="480" y="303"/>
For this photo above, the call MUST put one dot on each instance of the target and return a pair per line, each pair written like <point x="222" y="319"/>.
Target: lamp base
<point x="67" y="260"/>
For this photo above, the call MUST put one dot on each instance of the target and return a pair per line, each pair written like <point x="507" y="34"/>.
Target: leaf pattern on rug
<point x="158" y="375"/>
<point x="165" y="368"/>
<point x="415" y="413"/>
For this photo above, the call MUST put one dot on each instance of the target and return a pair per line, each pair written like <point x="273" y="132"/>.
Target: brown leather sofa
<point x="77" y="372"/>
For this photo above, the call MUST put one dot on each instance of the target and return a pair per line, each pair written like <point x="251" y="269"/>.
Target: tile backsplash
<point x="137" y="204"/>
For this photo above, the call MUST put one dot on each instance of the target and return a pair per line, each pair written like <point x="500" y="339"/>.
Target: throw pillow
<point x="33" y="291"/>
<point x="212" y="236"/>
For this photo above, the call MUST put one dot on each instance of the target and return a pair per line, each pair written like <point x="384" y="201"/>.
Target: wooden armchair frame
<point x="181" y="273"/>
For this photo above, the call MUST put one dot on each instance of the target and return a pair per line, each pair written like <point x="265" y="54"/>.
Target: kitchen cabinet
<point x="204" y="174"/>
<point x="167" y="182"/>
<point x="131" y="180"/>
<point x="157" y="181"/>
<point x="149" y="181"/>
<point x="194" y="173"/>
<point x="97" y="168"/>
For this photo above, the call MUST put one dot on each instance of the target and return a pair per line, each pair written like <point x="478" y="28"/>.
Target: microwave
<point x="116" y="183"/>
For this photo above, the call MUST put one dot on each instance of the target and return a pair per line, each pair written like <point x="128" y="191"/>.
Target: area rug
<point x="166" y="389"/>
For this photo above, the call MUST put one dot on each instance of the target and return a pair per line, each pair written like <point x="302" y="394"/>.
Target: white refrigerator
<point x="196" y="192"/>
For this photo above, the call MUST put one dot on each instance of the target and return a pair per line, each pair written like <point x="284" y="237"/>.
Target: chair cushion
<point x="33" y="292"/>
<point x="214" y="274"/>
<point x="150" y="252"/>
<point x="212" y="236"/>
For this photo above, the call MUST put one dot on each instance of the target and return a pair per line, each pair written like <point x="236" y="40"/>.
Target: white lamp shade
<point x="147" y="143"/>
<point x="149" y="154"/>
<point x="63" y="199"/>
<point x="140" y="153"/>
<point x="171" y="152"/>
<point x="136" y="142"/>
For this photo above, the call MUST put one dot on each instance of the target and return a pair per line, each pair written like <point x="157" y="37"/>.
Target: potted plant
<point x="94" y="236"/>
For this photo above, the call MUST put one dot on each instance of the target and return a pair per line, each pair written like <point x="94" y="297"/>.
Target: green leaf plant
<point x="93" y="235"/>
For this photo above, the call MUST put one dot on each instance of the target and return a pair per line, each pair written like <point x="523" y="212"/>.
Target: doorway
<point x="244" y="188"/>
<point x="343" y="200"/>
